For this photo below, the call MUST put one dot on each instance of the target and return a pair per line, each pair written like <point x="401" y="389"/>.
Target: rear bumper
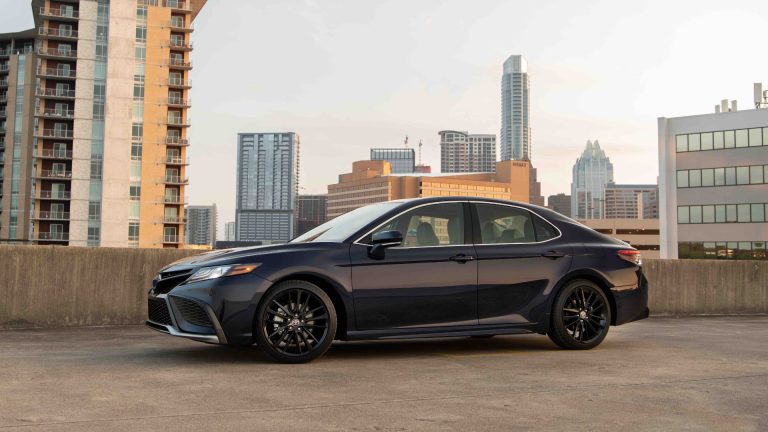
<point x="631" y="304"/>
<point x="175" y="324"/>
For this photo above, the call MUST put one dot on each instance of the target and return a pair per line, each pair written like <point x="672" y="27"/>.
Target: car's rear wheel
<point x="581" y="316"/>
<point x="295" y="323"/>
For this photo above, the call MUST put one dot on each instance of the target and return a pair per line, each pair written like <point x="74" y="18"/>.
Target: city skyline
<point x="588" y="79"/>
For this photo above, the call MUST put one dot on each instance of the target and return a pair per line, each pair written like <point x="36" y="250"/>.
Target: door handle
<point x="462" y="258"/>
<point x="553" y="254"/>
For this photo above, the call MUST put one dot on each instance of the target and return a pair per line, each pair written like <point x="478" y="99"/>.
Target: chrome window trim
<point x="559" y="233"/>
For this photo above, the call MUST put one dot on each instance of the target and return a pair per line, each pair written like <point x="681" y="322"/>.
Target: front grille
<point x="192" y="312"/>
<point x="170" y="280"/>
<point x="158" y="311"/>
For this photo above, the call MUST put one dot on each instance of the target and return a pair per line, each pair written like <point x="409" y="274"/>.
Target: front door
<point x="429" y="280"/>
<point x="520" y="259"/>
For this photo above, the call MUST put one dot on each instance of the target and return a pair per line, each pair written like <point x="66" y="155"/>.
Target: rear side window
<point x="544" y="230"/>
<point x="503" y="224"/>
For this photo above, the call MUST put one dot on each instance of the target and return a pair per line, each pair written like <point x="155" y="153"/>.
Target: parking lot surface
<point x="658" y="374"/>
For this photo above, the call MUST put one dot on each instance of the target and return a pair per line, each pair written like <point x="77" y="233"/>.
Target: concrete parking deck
<point x="657" y="374"/>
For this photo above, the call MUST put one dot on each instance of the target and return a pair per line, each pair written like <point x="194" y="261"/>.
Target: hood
<point x="228" y="256"/>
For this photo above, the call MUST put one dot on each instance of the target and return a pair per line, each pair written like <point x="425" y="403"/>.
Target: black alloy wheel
<point x="295" y="323"/>
<point x="581" y="316"/>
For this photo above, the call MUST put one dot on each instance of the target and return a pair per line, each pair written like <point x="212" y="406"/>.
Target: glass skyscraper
<point x="591" y="174"/>
<point x="403" y="160"/>
<point x="515" y="108"/>
<point x="267" y="186"/>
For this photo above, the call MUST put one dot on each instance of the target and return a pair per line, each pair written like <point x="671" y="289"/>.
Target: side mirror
<point x="383" y="240"/>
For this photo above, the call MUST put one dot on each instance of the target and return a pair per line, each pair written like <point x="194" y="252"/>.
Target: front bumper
<point x="177" y="323"/>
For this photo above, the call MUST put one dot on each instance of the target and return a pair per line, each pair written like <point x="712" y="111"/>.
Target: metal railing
<point x="173" y="199"/>
<point x="178" y="121"/>
<point x="57" y="32"/>
<point x="56" y="174"/>
<point x="60" y="13"/>
<point x="53" y="133"/>
<point x="176" y="160"/>
<point x="53" y="236"/>
<point x="172" y="219"/>
<point x="54" y="154"/>
<point x="52" y="92"/>
<point x="57" y="215"/>
<point x="179" y="63"/>
<point x="59" y="113"/>
<point x="176" y="180"/>
<point x="3" y="83"/>
<point x="180" y="26"/>
<point x="56" y="52"/>
<point x="180" y="82"/>
<point x="179" y="102"/>
<point x="174" y="140"/>
<point x="3" y="68"/>
<point x="170" y="239"/>
<point x="58" y="73"/>
<point x="49" y="194"/>
<point x="5" y="53"/>
<point x="180" y="44"/>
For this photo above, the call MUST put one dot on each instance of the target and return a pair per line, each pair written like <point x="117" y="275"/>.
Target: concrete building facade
<point x="591" y="174"/>
<point x="560" y="203"/>
<point x="229" y="232"/>
<point x="713" y="184"/>
<point x="461" y="152"/>
<point x="93" y="112"/>
<point x="311" y="211"/>
<point x="403" y="160"/>
<point x="267" y="186"/>
<point x="373" y="181"/>
<point x="641" y="234"/>
<point x="631" y="201"/>
<point x="201" y="225"/>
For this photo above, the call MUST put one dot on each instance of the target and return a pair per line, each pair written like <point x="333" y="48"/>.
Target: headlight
<point x="207" y="273"/>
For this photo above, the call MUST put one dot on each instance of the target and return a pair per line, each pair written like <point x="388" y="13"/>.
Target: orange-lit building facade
<point x="93" y="108"/>
<point x="372" y="181"/>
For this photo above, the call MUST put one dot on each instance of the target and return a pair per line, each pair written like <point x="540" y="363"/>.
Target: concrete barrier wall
<point x="43" y="286"/>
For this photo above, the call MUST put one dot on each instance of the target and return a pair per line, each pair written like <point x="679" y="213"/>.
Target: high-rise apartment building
<point x="560" y="203"/>
<point x="403" y="160"/>
<point x="713" y="185"/>
<point x="93" y="123"/>
<point x="591" y="174"/>
<point x="631" y="201"/>
<point x="267" y="186"/>
<point x="201" y="225"/>
<point x="515" y="110"/>
<point x="311" y="210"/>
<point x="373" y="181"/>
<point x="229" y="232"/>
<point x="464" y="152"/>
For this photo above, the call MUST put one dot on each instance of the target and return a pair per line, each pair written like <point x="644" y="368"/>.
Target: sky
<point x="348" y="75"/>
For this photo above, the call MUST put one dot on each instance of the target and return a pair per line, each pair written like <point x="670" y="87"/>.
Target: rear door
<point x="520" y="259"/>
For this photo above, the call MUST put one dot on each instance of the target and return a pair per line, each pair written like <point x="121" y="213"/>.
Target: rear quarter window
<point x="544" y="230"/>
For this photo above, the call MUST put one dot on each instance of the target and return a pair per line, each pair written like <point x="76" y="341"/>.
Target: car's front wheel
<point x="295" y="323"/>
<point x="581" y="316"/>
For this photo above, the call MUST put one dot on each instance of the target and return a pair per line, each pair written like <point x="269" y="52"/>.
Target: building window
<point x="728" y="176"/>
<point x="718" y="140"/>
<point x="737" y="250"/>
<point x="723" y="213"/>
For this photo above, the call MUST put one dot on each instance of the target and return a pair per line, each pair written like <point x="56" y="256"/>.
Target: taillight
<point x="630" y="255"/>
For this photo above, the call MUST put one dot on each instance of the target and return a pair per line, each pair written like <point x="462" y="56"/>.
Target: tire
<point x="581" y="316"/>
<point x="295" y="322"/>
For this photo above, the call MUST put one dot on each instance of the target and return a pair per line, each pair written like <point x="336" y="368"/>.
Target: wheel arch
<point x="589" y="275"/>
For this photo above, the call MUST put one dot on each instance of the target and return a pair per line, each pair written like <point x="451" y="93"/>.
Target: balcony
<point x="54" y="216"/>
<point x="55" y="195"/>
<point x="56" y="73"/>
<point x="57" y="33"/>
<point x="177" y="5"/>
<point x="4" y="68"/>
<point x="55" y="93"/>
<point x="177" y="121"/>
<point x="178" y="26"/>
<point x="179" y="83"/>
<point x="179" y="102"/>
<point x="55" y="175"/>
<point x="174" y="199"/>
<point x="175" y="141"/>
<point x="5" y="53"/>
<point x="176" y="180"/>
<point x="172" y="220"/>
<point x="3" y="114"/>
<point x="53" y="236"/>
<point x="171" y="239"/>
<point x="179" y="64"/>
<point x="57" y="53"/>
<point x="54" y="133"/>
<point x="3" y="83"/>
<point x="54" y="154"/>
<point x="59" y="13"/>
<point x="3" y="98"/>
<point x="56" y="113"/>
<point x="176" y="160"/>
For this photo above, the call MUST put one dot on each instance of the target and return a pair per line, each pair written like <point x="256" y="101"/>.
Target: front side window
<point x="430" y="225"/>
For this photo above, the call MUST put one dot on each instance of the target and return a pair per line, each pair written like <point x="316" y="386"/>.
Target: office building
<point x="403" y="160"/>
<point x="373" y="181"/>
<point x="229" y="232"/>
<point x="201" y="225"/>
<point x="713" y="185"/>
<point x="560" y="203"/>
<point x="631" y="201"/>
<point x="515" y="138"/>
<point x="642" y="234"/>
<point x="591" y="174"/>
<point x="93" y="123"/>
<point x="461" y="152"/>
<point x="267" y="186"/>
<point x="311" y="212"/>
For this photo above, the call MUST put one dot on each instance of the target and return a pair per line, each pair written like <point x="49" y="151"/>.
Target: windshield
<point x="340" y="228"/>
